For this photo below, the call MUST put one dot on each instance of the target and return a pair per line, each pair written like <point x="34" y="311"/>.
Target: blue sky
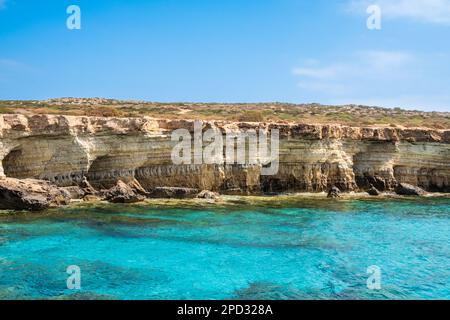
<point x="229" y="51"/>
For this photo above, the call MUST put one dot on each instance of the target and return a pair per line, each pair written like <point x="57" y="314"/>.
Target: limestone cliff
<point x="65" y="149"/>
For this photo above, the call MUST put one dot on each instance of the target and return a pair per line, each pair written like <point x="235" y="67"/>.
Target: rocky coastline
<point x="52" y="160"/>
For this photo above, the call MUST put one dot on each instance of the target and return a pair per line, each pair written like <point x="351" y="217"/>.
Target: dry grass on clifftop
<point x="353" y="115"/>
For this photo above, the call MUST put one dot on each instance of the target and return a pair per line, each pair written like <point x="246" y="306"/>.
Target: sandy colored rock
<point x="91" y="198"/>
<point x="206" y="194"/>
<point x="74" y="192"/>
<point x="94" y="153"/>
<point x="29" y="194"/>
<point x="174" y="193"/>
<point x="122" y="193"/>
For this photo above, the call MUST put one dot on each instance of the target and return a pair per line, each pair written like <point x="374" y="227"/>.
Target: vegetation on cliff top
<point x="354" y="115"/>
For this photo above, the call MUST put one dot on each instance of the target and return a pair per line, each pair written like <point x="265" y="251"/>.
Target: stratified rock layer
<point x="67" y="150"/>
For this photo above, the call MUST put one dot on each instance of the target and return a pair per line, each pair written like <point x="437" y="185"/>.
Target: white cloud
<point x="412" y="102"/>
<point x="317" y="73"/>
<point x="432" y="11"/>
<point x="10" y="66"/>
<point x="338" y="78"/>
<point x="7" y="62"/>
<point x="335" y="89"/>
<point x="10" y="63"/>
<point x="379" y="78"/>
<point x="381" y="61"/>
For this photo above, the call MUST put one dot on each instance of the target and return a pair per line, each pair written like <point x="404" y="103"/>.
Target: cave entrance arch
<point x="105" y="171"/>
<point x="13" y="165"/>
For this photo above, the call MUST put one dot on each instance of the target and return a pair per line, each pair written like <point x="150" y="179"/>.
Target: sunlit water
<point x="307" y="249"/>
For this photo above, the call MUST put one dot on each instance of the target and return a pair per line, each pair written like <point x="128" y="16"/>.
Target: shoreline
<point x="233" y="200"/>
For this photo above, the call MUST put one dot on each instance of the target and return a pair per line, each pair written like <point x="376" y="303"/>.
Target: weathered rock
<point x="88" y="189"/>
<point x="29" y="194"/>
<point x="122" y="193"/>
<point x="405" y="189"/>
<point x="74" y="192"/>
<point x="236" y="192"/>
<point x="173" y="192"/>
<point x="136" y="186"/>
<point x="91" y="198"/>
<point x="205" y="194"/>
<point x="334" y="193"/>
<point x="373" y="191"/>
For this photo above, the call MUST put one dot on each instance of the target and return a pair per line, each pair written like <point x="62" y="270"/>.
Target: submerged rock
<point x="405" y="189"/>
<point x="30" y="194"/>
<point x="334" y="192"/>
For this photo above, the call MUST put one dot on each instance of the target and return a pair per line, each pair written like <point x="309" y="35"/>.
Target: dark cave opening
<point x="13" y="165"/>
<point x="105" y="171"/>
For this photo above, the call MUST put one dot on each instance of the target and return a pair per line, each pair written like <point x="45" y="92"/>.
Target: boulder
<point x="30" y="194"/>
<point x="334" y="192"/>
<point x="172" y="192"/>
<point x="206" y="194"/>
<point x="91" y="198"/>
<point x="136" y="186"/>
<point x="405" y="189"/>
<point x="122" y="193"/>
<point x="88" y="189"/>
<point x="73" y="192"/>
<point x="373" y="191"/>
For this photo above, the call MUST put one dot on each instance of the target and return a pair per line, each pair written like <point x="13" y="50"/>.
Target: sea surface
<point x="296" y="249"/>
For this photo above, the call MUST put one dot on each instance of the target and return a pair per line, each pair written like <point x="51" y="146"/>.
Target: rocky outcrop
<point x="174" y="193"/>
<point x="28" y="194"/>
<point x="334" y="193"/>
<point x="122" y="193"/>
<point x="373" y="191"/>
<point x="87" y="188"/>
<point x="405" y="189"/>
<point x="94" y="153"/>
<point x="206" y="194"/>
<point x="74" y="192"/>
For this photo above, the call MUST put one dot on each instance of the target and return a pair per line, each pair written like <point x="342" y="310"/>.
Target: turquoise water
<point x="304" y="249"/>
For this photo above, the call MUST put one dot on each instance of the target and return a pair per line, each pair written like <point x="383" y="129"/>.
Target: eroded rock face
<point x="29" y="194"/>
<point x="95" y="153"/>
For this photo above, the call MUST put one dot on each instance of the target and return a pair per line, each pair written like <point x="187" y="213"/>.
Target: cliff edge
<point x="67" y="150"/>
